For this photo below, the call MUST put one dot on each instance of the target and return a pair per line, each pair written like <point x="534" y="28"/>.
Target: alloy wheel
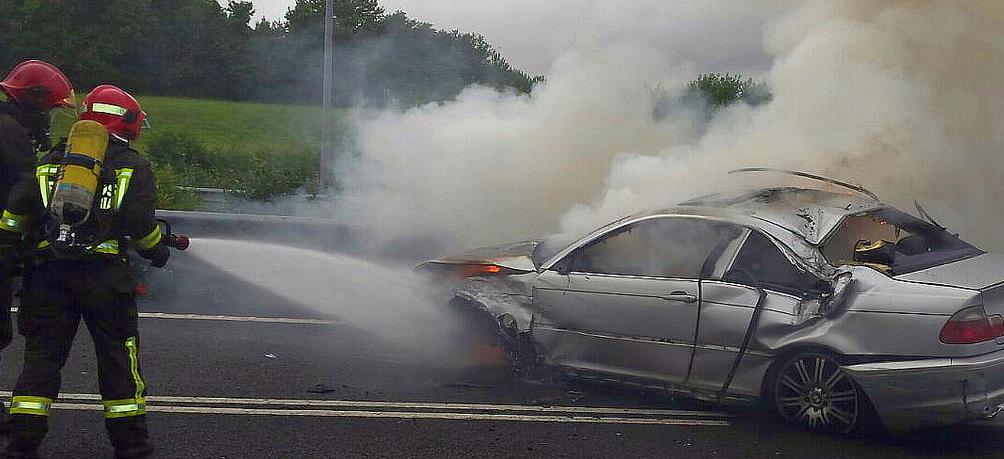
<point x="812" y="391"/>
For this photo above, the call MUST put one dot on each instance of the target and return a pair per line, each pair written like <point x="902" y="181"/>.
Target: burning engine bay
<point x="826" y="303"/>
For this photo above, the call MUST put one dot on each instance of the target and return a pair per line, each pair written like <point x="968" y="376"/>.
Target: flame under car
<point x="831" y="306"/>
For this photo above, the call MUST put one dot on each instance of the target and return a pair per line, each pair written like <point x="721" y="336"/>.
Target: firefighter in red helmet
<point x="33" y="89"/>
<point x="81" y="271"/>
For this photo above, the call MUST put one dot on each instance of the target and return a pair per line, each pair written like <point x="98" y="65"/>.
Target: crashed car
<point x="830" y="305"/>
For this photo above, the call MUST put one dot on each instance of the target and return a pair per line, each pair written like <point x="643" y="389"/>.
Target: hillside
<point x="256" y="150"/>
<point x="220" y="124"/>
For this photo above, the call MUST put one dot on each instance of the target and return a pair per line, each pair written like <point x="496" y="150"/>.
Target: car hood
<point x="516" y="255"/>
<point x="976" y="273"/>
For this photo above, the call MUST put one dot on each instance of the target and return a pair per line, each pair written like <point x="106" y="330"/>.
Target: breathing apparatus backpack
<point x="73" y="225"/>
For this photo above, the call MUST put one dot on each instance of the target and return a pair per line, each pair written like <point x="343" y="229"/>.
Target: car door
<point x="727" y="307"/>
<point x="627" y="302"/>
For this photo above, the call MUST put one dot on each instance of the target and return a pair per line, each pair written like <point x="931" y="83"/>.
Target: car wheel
<point x="810" y="390"/>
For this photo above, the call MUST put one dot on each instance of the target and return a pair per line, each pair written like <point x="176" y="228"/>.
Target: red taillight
<point x="972" y="325"/>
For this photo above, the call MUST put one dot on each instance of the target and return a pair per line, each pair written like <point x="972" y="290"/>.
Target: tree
<point x="721" y="90"/>
<point x="351" y="17"/>
<point x="198" y="48"/>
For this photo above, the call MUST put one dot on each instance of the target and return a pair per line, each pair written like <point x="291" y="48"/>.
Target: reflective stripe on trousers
<point x="27" y="404"/>
<point x="136" y="406"/>
<point x="124" y="408"/>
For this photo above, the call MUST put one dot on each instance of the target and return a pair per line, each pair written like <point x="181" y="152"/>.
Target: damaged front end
<point x="493" y="286"/>
<point x="497" y="279"/>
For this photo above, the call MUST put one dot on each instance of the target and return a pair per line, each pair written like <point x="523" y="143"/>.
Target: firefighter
<point x="81" y="271"/>
<point x="33" y="89"/>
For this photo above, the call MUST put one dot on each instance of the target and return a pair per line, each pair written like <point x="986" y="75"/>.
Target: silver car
<point x="830" y="305"/>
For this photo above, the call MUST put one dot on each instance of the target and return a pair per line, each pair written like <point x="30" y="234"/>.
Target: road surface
<point x="235" y="371"/>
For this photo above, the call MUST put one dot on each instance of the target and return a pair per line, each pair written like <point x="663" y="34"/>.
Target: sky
<point x="533" y="34"/>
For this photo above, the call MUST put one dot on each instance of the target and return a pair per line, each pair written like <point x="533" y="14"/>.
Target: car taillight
<point x="972" y="325"/>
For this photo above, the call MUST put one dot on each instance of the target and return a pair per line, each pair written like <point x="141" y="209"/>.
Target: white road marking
<point x="400" y="410"/>
<point x="154" y="399"/>
<point x="357" y="409"/>
<point x="410" y="415"/>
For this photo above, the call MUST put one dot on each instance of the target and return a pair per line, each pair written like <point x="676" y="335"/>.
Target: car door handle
<point x="682" y="296"/>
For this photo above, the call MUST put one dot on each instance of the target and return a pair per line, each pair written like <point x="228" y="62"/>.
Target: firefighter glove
<point x="157" y="255"/>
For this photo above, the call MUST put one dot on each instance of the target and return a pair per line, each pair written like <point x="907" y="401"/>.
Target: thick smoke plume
<point x="903" y="97"/>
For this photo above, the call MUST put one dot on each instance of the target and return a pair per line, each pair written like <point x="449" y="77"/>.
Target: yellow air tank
<point x="78" y="175"/>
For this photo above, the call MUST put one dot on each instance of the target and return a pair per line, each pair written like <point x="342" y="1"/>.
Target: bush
<point x="257" y="175"/>
<point x="169" y="196"/>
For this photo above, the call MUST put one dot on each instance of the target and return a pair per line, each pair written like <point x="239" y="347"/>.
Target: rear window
<point x="906" y="243"/>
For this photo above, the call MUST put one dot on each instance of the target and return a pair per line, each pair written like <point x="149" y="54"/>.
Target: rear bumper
<point x="928" y="393"/>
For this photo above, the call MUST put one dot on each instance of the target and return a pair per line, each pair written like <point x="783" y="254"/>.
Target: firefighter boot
<point x="4" y="419"/>
<point x="129" y="437"/>
<point x="27" y="432"/>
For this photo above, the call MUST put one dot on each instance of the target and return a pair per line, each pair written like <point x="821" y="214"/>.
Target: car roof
<point x="809" y="213"/>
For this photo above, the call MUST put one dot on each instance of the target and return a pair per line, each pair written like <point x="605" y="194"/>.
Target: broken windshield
<point x="895" y="242"/>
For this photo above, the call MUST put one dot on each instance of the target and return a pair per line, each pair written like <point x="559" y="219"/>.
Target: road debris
<point x="321" y="388"/>
<point x="465" y="385"/>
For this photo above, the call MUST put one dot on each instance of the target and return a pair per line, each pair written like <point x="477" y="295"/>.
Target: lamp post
<point x="327" y="152"/>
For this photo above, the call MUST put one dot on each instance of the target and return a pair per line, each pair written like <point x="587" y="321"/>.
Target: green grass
<point x="259" y="150"/>
<point x="229" y="125"/>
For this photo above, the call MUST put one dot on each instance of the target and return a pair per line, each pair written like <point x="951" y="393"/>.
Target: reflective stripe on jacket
<point x="125" y="200"/>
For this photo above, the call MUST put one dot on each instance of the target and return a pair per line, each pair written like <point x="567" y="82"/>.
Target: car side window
<point x="764" y="260"/>
<point x="660" y="247"/>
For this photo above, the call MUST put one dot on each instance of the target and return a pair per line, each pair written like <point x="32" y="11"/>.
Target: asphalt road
<point x="223" y="384"/>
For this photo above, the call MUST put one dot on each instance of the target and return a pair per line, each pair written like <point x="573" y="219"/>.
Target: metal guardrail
<point x="311" y="233"/>
<point x="230" y="200"/>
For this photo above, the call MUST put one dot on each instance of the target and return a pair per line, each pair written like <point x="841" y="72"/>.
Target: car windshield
<point x="895" y="242"/>
<point x="551" y="245"/>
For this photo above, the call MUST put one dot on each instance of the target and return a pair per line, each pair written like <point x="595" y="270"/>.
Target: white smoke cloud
<point x="533" y="34"/>
<point x="707" y="34"/>
<point x="901" y="96"/>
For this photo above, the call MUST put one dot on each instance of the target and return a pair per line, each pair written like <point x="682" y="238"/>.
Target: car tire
<point x="810" y="390"/>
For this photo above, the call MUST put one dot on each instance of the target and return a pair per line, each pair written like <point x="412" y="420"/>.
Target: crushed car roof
<point x="810" y="213"/>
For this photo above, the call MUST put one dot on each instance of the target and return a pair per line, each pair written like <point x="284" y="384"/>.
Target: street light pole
<point x="327" y="142"/>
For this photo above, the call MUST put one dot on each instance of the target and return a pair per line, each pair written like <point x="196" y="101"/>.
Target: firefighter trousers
<point x="6" y="301"/>
<point x="57" y="295"/>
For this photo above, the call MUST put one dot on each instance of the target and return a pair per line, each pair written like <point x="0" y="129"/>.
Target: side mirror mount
<point x="839" y="288"/>
<point x="564" y="266"/>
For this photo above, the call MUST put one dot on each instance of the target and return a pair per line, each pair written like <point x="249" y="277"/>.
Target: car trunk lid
<point x="984" y="273"/>
<point x="977" y="273"/>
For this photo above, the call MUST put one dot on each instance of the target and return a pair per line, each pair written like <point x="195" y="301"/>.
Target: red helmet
<point x="115" y="109"/>
<point x="41" y="80"/>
